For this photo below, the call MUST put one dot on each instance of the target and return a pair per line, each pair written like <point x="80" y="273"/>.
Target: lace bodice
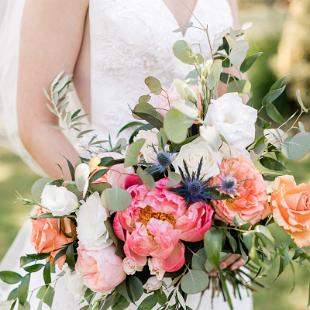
<point x="133" y="39"/>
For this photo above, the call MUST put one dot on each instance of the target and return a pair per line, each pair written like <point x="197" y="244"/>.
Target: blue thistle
<point x="163" y="161"/>
<point x="194" y="189"/>
<point x="228" y="185"/>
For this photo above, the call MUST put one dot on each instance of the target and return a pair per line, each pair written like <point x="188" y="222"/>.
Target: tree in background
<point x="293" y="58"/>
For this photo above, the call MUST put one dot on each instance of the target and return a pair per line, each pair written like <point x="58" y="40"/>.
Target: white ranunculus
<point x="90" y="218"/>
<point x="58" y="200"/>
<point x="152" y="284"/>
<point x="151" y="142"/>
<point x="81" y="176"/>
<point x="276" y="137"/>
<point x="233" y="120"/>
<point x="192" y="153"/>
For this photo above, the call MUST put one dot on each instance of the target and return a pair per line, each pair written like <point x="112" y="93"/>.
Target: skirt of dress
<point x="64" y="299"/>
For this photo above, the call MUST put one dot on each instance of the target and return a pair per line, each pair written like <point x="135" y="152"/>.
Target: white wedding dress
<point x="129" y="40"/>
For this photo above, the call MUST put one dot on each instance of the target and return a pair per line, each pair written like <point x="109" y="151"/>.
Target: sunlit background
<point x="281" y="30"/>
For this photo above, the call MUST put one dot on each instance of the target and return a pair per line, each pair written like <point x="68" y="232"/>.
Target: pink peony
<point x="156" y="222"/>
<point x="249" y="194"/>
<point x="100" y="268"/>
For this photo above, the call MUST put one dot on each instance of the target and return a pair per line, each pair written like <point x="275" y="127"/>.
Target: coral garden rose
<point x="100" y="268"/>
<point x="240" y="179"/>
<point x="291" y="208"/>
<point x="48" y="236"/>
<point x="157" y="221"/>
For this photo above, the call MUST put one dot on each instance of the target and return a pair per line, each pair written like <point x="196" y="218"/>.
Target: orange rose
<point x="49" y="235"/>
<point x="291" y="208"/>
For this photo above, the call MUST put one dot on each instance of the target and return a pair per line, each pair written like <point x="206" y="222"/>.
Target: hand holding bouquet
<point x="149" y="220"/>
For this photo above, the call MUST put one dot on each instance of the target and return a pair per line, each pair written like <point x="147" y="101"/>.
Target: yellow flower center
<point x="147" y="213"/>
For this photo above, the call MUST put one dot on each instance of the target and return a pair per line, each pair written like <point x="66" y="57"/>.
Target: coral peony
<point x="240" y="179"/>
<point x="291" y="208"/>
<point x="48" y="237"/>
<point x="100" y="268"/>
<point x="156" y="222"/>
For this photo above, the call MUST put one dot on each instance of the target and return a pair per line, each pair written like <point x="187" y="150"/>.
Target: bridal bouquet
<point x="148" y="221"/>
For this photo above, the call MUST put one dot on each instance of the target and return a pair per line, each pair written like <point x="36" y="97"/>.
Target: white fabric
<point x="129" y="40"/>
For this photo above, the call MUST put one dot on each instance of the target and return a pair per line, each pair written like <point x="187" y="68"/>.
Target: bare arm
<point x="51" y="36"/>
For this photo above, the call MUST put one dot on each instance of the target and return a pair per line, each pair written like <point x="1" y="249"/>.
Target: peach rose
<point x="291" y="208"/>
<point x="240" y="179"/>
<point x="49" y="237"/>
<point x="101" y="269"/>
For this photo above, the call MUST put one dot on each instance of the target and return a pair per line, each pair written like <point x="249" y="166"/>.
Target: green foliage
<point x="176" y="125"/>
<point x="116" y="199"/>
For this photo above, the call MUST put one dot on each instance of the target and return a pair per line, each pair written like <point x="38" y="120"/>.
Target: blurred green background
<point x="281" y="30"/>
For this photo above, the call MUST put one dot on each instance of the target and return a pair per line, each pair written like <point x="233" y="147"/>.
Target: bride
<point x="109" y="46"/>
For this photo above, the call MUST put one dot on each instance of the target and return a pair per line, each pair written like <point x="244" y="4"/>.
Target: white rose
<point x="81" y="176"/>
<point x="90" y="218"/>
<point x="276" y="137"/>
<point x="233" y="120"/>
<point x="155" y="268"/>
<point x="130" y="266"/>
<point x="151" y="141"/>
<point x="58" y="200"/>
<point x="192" y="153"/>
<point x="152" y="284"/>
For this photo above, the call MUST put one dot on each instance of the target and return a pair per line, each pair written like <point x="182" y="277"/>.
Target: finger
<point x="237" y="264"/>
<point x="229" y="260"/>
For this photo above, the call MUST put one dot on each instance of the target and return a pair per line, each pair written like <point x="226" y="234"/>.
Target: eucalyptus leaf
<point x="213" y="245"/>
<point x="199" y="259"/>
<point x="146" y="178"/>
<point x="148" y="113"/>
<point x="296" y="147"/>
<point x="214" y="74"/>
<point x="116" y="199"/>
<point x="153" y="84"/>
<point x="184" y="52"/>
<point x="195" y="281"/>
<point x="133" y="152"/>
<point x="176" y="125"/>
<point x="274" y="113"/>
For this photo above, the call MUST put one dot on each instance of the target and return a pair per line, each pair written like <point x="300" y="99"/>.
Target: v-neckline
<point x="192" y="13"/>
